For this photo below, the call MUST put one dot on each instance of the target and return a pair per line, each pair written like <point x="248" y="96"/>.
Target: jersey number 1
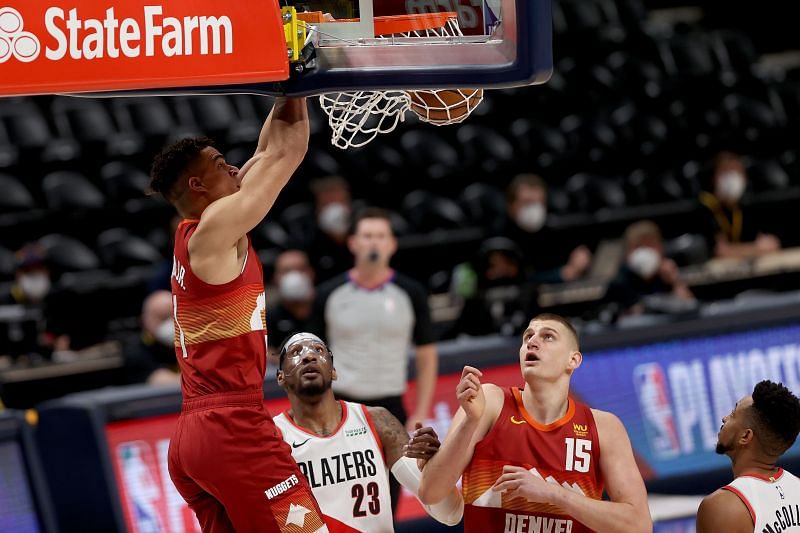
<point x="578" y="455"/>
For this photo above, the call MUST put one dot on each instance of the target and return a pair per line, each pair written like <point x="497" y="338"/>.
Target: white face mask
<point x="334" y="218"/>
<point x="295" y="286"/>
<point x="644" y="261"/>
<point x="35" y="286"/>
<point x="731" y="185"/>
<point x="531" y="217"/>
<point x="165" y="333"/>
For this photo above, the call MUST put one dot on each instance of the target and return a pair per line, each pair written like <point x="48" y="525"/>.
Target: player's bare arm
<point x="723" y="511"/>
<point x="216" y="247"/>
<point x="391" y="432"/>
<point x="480" y="407"/>
<point x="626" y="512"/>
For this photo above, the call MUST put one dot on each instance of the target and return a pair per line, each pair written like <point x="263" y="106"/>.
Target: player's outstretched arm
<point x="228" y="219"/>
<point x="627" y="512"/>
<point x="723" y="511"/>
<point x="480" y="407"/>
<point x="404" y="457"/>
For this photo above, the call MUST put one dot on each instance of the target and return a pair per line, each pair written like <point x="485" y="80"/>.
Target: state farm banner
<point x="54" y="46"/>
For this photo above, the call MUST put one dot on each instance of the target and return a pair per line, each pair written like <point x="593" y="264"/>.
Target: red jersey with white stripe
<point x="346" y="470"/>
<point x="220" y="330"/>
<point x="565" y="452"/>
<point x="773" y="502"/>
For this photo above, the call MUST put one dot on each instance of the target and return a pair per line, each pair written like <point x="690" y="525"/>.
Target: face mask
<point x="731" y="185"/>
<point x="531" y="217"/>
<point x="35" y="286"/>
<point x="644" y="261"/>
<point x="165" y="333"/>
<point x="334" y="218"/>
<point x="295" y="286"/>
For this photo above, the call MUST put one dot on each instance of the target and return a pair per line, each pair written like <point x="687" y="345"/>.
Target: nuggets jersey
<point x="346" y="470"/>
<point x="565" y="452"/>
<point x="773" y="502"/>
<point x="220" y="330"/>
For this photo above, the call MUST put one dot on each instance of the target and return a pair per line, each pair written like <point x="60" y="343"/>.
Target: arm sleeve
<point x="448" y="511"/>
<point x="423" y="327"/>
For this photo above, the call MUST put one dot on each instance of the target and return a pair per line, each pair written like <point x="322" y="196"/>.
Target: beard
<point x="314" y="388"/>
<point x="722" y="448"/>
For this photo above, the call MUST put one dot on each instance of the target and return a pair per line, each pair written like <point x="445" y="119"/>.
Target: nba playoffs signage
<point x="55" y="46"/>
<point x="672" y="396"/>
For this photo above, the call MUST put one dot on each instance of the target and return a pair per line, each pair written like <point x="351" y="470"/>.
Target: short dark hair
<point x="562" y="320"/>
<point x="371" y="212"/>
<point x="776" y="415"/>
<point x="173" y="161"/>
<point x="533" y="181"/>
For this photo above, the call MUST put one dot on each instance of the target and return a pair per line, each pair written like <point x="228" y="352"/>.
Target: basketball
<point x="445" y="106"/>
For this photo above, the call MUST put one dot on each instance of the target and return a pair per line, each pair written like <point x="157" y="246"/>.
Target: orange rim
<point x="389" y="25"/>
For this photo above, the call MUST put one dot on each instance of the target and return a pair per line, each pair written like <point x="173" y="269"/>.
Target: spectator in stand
<point x="646" y="271"/>
<point x="334" y="212"/>
<point x="38" y="332"/>
<point x="151" y="359"/>
<point x="496" y="297"/>
<point x="294" y="279"/>
<point x="545" y="254"/>
<point x="730" y="231"/>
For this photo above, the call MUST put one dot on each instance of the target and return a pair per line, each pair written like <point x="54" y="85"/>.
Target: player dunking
<point x="226" y="457"/>
<point x="346" y="449"/>
<point x="534" y="459"/>
<point x="762" y="498"/>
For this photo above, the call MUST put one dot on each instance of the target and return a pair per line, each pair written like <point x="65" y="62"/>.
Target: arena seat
<point x="70" y="190"/>
<point x="119" y="250"/>
<point x="67" y="254"/>
<point x="15" y="197"/>
<point x="123" y="181"/>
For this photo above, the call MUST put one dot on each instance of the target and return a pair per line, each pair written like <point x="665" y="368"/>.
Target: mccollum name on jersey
<point x="524" y="523"/>
<point x="786" y="517"/>
<point x="339" y="468"/>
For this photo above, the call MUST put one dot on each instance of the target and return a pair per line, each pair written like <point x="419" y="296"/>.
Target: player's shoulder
<point x="723" y="510"/>
<point x="608" y="424"/>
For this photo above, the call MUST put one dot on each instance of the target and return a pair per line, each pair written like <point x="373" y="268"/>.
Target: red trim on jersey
<point x="374" y="432"/>
<point x="188" y="221"/>
<point x="744" y="501"/>
<point x="307" y="432"/>
<point x="542" y="427"/>
<point x="337" y="526"/>
<point x="768" y="479"/>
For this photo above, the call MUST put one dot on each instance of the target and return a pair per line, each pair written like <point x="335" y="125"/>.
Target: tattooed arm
<point x="391" y="432"/>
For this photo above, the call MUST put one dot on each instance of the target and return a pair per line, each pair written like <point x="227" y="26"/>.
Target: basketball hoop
<point x="357" y="117"/>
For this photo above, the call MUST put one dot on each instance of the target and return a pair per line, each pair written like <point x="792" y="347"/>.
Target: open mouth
<point x="531" y="357"/>
<point x="310" y="371"/>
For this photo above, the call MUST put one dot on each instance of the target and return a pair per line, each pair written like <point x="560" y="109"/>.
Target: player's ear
<point x="333" y="374"/>
<point x="575" y="360"/>
<point x="746" y="437"/>
<point x="195" y="184"/>
<point x="281" y="378"/>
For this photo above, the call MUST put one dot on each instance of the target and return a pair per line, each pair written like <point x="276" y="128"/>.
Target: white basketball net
<point x="356" y="118"/>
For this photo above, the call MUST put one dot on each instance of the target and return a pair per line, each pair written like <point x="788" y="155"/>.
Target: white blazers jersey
<point x="346" y="470"/>
<point x="773" y="502"/>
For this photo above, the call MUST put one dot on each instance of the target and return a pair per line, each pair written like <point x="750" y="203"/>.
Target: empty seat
<point x="8" y="264"/>
<point x="687" y="249"/>
<point x="14" y="196"/>
<point x="26" y="126"/>
<point x="484" y="204"/>
<point x="70" y="190"/>
<point x="120" y="250"/>
<point x="427" y="212"/>
<point x="123" y="181"/>
<point x="67" y="254"/>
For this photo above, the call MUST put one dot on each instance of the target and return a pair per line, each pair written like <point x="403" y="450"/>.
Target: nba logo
<point x="656" y="408"/>
<point x="142" y="490"/>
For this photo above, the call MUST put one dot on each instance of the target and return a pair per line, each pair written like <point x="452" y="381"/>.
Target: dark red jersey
<point x="220" y="330"/>
<point x="565" y="452"/>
